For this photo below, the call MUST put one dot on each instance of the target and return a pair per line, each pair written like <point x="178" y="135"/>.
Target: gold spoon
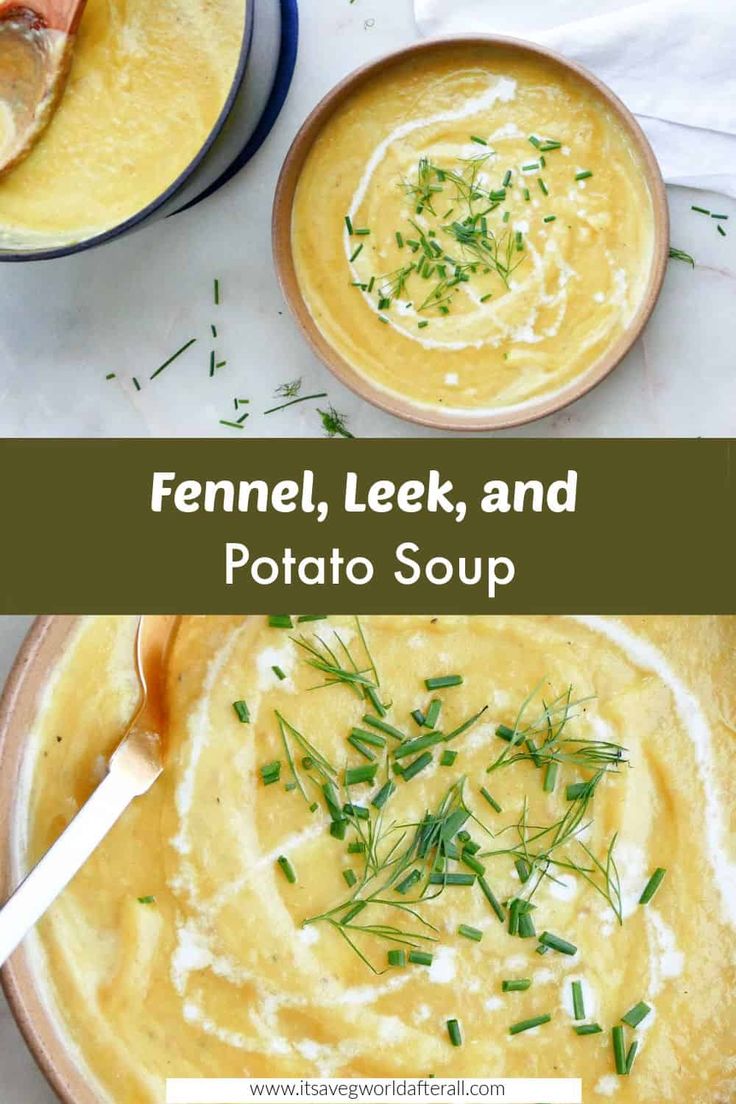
<point x="134" y="767"/>
<point x="36" y="47"/>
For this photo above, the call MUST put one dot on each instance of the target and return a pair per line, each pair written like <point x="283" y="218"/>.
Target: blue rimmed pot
<point x="260" y="85"/>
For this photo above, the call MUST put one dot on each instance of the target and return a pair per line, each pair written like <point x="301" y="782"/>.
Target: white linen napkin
<point x="672" y="62"/>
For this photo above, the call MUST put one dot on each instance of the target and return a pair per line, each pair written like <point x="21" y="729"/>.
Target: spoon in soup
<point x="133" y="768"/>
<point x="36" y="47"/>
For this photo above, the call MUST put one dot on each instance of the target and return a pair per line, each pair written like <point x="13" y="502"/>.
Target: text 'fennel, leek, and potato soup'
<point x="482" y="846"/>
<point x="473" y="228"/>
<point x="147" y="85"/>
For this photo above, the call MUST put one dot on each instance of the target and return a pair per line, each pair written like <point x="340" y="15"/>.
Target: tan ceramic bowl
<point x="23" y="987"/>
<point x="403" y="407"/>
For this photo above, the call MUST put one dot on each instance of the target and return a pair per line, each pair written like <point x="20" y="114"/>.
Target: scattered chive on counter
<point x="453" y="1030"/>
<point x="529" y="1025"/>
<point x="242" y="712"/>
<point x="287" y="869"/>
<point x="652" y="885"/>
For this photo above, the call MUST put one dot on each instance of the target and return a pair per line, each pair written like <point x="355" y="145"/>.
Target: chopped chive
<point x="396" y="958"/>
<point x="372" y="694"/>
<point x="136" y="384"/>
<point x="527" y="195"/>
<point x="721" y="231"/>
<point x="506" y="216"/>
<point x="383" y="726"/>
<point x="578" y="1000"/>
<point x="478" y="141"/>
<point x="360" y="812"/>
<point x="523" y="870"/>
<point x="636" y="1015"/>
<point x="363" y="232"/>
<point x="216" y="291"/>
<point x="408" y="882"/>
<point x="700" y="210"/>
<point x="587" y="1029"/>
<point x="213" y="329"/>
<point x="212" y="363"/>
<point x="491" y="800"/>
<point x="383" y="794"/>
<point x="280" y="675"/>
<point x="384" y="319"/>
<point x="526" y="926"/>
<point x="443" y="681"/>
<point x="516" y="985"/>
<point x="271" y="772"/>
<point x="471" y="846"/>
<point x="507" y="178"/>
<point x="619" y="1050"/>
<point x="334" y="807"/>
<point x="470" y="933"/>
<point x="231" y="425"/>
<point x="576" y="790"/>
<point x="530" y="167"/>
<point x="474" y="864"/>
<point x="422" y="325"/>
<point x="506" y="733"/>
<point x="171" y="359"/>
<point x="361" y="748"/>
<point x="550" y="776"/>
<point x="354" y="256"/>
<point x="715" y="216"/>
<point x="549" y="218"/>
<point x="448" y="758"/>
<point x="432" y="715"/>
<point x="416" y="766"/>
<point x="148" y="900"/>
<point x="453" y="1030"/>
<point x="353" y="912"/>
<point x="349" y="225"/>
<point x="305" y="618"/>
<point x="355" y="776"/>
<point x="419" y="744"/>
<point x="555" y="943"/>
<point x="350" y="877"/>
<point x="652" y="885"/>
<point x="542" y="186"/>
<point x="421" y="958"/>
<point x="287" y="868"/>
<point x="491" y="898"/>
<point x="399" y="239"/>
<point x="338" y="828"/>
<point x="485" y="298"/>
<point x="356" y="847"/>
<point x="243" y="713"/>
<point x="527" y="1025"/>
<point x="680" y="255"/>
<point x="584" y="174"/>
<point x="443" y="878"/>
<point x="631" y="1055"/>
<point x="280" y="621"/>
<point x="418" y="717"/>
<point x="368" y="737"/>
<point x="110" y="375"/>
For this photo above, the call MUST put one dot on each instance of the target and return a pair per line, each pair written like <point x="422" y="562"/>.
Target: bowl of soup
<point x="163" y="105"/>
<point x="369" y="827"/>
<point x="471" y="233"/>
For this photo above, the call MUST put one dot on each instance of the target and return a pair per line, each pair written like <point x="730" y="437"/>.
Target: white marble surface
<point x="66" y="324"/>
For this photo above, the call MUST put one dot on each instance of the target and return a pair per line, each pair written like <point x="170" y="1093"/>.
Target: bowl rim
<point x="37" y="1022"/>
<point x="20" y="256"/>
<point x="390" y="402"/>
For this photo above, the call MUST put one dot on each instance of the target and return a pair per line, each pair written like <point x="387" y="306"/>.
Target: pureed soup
<point x="472" y="228"/>
<point x="459" y="824"/>
<point x="147" y="85"/>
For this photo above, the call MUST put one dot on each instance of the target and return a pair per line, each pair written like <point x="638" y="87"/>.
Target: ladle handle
<point x="63" y="859"/>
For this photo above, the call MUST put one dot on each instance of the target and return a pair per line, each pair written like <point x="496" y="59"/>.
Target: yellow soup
<point x="473" y="228"/>
<point x="182" y="949"/>
<point x="147" y="85"/>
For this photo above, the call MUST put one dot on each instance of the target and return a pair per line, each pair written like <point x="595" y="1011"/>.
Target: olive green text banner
<point x="448" y="526"/>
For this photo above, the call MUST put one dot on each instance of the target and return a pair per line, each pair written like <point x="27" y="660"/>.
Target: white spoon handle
<point x="65" y="857"/>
